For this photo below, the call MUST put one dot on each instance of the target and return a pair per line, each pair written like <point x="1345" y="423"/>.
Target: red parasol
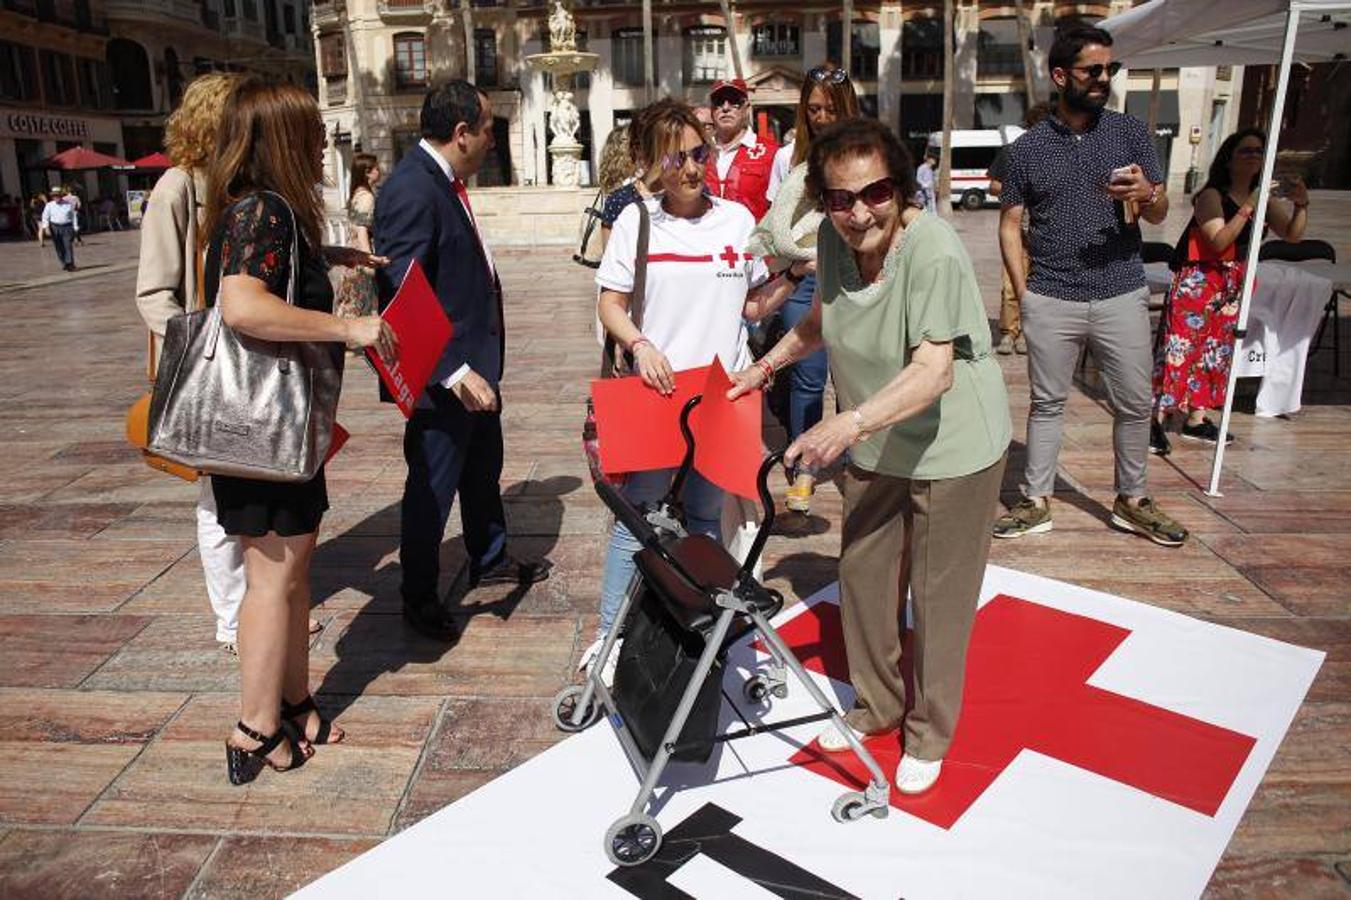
<point x="78" y="158"/>
<point x="153" y="161"/>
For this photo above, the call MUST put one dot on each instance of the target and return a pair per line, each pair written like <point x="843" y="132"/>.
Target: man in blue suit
<point x="453" y="442"/>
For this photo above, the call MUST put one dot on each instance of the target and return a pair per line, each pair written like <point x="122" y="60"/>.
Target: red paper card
<point x="727" y="446"/>
<point x="336" y="443"/>
<point x="423" y="331"/>
<point x="639" y="429"/>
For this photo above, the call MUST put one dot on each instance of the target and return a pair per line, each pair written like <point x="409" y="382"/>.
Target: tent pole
<point x="1255" y="243"/>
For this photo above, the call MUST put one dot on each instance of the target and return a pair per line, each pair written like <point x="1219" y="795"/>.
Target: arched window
<point x="131" y="75"/>
<point x="173" y="76"/>
<point x="410" y="60"/>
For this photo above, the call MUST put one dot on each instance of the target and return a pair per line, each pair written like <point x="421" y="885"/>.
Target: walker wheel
<point x="756" y="689"/>
<point x="780" y="690"/>
<point x="849" y="807"/>
<point x="565" y="706"/>
<point x="632" y="840"/>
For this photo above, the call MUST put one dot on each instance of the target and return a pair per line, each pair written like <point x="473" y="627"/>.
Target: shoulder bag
<point x="229" y="404"/>
<point x="612" y="363"/>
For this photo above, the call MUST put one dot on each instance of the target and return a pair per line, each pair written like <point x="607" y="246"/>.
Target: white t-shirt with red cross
<point x="698" y="275"/>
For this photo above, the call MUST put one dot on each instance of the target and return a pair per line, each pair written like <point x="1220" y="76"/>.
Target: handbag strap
<point x="610" y="354"/>
<point x="216" y="323"/>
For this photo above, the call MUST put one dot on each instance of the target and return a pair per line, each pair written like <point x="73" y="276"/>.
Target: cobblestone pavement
<point x="114" y="698"/>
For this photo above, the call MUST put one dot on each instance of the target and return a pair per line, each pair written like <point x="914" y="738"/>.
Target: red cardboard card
<point x="638" y="428"/>
<point x="340" y="436"/>
<point x="423" y="331"/>
<point x="727" y="445"/>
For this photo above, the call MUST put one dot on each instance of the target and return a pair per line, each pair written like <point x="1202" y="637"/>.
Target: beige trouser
<point x="934" y="537"/>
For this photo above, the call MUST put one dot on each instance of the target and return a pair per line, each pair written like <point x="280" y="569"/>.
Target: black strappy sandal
<point x="290" y="711"/>
<point x="245" y="765"/>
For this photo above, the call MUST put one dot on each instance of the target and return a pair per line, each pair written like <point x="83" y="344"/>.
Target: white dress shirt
<point x="60" y="212"/>
<point x="457" y="376"/>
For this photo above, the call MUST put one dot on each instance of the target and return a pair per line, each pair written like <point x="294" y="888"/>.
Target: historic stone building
<point x="106" y="73"/>
<point x="376" y="56"/>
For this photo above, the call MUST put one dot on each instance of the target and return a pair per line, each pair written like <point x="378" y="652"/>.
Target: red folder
<point x="638" y="428"/>
<point x="337" y="442"/>
<point x="423" y="331"/>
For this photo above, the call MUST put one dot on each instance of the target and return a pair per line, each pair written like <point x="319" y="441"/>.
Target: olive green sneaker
<point x="1024" y="517"/>
<point x="1149" y="520"/>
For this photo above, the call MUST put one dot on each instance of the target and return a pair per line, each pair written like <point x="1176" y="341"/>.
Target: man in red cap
<point x="741" y="171"/>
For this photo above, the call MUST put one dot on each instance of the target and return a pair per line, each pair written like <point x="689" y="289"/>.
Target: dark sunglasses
<point x="829" y="76"/>
<point x="736" y="101"/>
<point x="677" y="159"/>
<point x="1094" y="72"/>
<point x="876" y="194"/>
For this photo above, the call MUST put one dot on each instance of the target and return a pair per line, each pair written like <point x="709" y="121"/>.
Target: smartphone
<point x="1122" y="175"/>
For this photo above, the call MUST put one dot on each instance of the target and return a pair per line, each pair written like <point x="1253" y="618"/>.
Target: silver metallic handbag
<point x="229" y="404"/>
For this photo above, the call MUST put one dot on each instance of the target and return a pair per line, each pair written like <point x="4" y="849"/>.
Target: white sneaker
<point x="915" y="776"/>
<point x="592" y="653"/>
<point x="832" y="741"/>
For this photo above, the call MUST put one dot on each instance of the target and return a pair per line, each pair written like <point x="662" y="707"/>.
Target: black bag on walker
<point x="656" y="662"/>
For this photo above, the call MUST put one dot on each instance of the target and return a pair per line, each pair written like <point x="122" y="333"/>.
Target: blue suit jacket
<point x="418" y="217"/>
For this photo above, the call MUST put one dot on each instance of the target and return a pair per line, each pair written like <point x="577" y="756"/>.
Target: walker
<point x="692" y="602"/>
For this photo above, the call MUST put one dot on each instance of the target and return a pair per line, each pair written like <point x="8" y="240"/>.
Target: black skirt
<point x="254" y="508"/>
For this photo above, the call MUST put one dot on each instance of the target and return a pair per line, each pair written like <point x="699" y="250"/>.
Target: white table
<point x="1287" y="306"/>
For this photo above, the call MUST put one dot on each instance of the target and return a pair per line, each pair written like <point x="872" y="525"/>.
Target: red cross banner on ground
<point x="1106" y="749"/>
<point x="423" y="331"/>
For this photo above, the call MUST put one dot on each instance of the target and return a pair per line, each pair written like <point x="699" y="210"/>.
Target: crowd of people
<point x="886" y="307"/>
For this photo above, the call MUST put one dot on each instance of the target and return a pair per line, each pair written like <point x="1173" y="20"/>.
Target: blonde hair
<point x="616" y="161"/>
<point x="191" y="132"/>
<point x="662" y="127"/>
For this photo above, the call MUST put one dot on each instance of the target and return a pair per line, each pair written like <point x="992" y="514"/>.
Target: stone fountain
<point x="562" y="62"/>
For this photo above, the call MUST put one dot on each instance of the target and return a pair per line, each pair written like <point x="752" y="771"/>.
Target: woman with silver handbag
<point x="263" y="216"/>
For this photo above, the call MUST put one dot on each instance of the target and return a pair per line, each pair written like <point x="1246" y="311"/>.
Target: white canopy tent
<point x="1166" y="33"/>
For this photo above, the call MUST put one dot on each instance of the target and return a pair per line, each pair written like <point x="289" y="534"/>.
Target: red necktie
<point x="463" y="193"/>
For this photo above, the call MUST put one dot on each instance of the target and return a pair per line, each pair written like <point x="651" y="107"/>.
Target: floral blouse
<point x="255" y="237"/>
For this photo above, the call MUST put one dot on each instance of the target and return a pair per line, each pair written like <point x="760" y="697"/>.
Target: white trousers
<point x="222" y="564"/>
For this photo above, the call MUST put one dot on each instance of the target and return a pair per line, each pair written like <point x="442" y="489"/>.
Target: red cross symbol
<point x="730" y="255"/>
<point x="1026" y="689"/>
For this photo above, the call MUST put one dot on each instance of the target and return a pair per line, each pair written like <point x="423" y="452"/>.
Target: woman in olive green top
<point x="925" y="419"/>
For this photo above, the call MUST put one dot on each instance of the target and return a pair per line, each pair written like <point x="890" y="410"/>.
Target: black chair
<point x="1306" y="251"/>
<point x="1156" y="252"/>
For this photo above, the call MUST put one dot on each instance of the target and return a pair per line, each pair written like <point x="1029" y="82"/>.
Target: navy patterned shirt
<point x="1081" y="246"/>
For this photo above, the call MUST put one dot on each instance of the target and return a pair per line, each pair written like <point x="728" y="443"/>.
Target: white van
<point x="972" y="153"/>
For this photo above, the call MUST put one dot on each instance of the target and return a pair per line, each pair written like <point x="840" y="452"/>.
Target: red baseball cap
<point x="724" y="85"/>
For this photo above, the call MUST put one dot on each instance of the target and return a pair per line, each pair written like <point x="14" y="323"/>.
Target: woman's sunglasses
<point x="1094" y="72"/>
<point x="829" y="76"/>
<point x="677" y="159"/>
<point x="879" y="193"/>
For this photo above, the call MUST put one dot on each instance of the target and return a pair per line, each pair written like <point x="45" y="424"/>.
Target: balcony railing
<point x="335" y="89"/>
<point x="155" y="10"/>
<point x="243" y="28"/>
<point x="328" y="12"/>
<point x="406" y="10"/>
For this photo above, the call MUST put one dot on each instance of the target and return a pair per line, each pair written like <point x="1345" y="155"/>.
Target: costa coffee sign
<point x="26" y="124"/>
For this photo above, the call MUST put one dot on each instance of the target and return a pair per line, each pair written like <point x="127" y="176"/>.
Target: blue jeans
<point x="807" y="378"/>
<point x="703" y="515"/>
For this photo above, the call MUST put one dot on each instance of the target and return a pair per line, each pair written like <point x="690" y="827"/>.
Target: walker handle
<point x="767" y="522"/>
<point x="677" y="483"/>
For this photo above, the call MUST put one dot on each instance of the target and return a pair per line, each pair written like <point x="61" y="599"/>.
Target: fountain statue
<point x="563" y="61"/>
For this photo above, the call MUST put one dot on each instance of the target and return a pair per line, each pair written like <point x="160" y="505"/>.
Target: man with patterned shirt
<point x="1083" y="175"/>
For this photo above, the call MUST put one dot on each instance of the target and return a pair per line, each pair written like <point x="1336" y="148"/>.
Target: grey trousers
<point x="1117" y="332"/>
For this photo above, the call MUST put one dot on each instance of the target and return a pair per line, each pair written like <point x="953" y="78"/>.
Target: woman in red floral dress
<point x="1191" y="367"/>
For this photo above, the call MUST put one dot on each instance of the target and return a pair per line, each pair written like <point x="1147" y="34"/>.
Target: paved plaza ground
<point x="114" y="697"/>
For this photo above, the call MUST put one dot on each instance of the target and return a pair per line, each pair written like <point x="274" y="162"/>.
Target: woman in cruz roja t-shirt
<point x="701" y="287"/>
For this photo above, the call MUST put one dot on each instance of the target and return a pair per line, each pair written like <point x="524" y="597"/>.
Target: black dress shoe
<point x="512" y="571"/>
<point x="431" y="620"/>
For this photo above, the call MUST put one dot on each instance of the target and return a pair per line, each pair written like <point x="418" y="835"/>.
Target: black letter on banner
<point x="709" y="831"/>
